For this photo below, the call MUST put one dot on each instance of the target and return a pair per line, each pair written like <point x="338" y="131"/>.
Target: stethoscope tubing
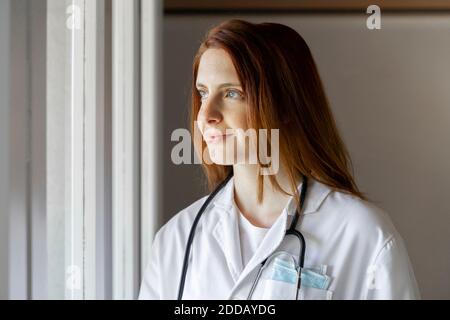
<point x="290" y="231"/>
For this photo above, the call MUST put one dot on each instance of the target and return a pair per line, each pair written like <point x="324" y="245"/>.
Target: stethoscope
<point x="291" y="231"/>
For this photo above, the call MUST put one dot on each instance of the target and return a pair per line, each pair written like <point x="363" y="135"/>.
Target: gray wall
<point x="4" y="145"/>
<point x="22" y="159"/>
<point x="389" y="91"/>
<point x="14" y="105"/>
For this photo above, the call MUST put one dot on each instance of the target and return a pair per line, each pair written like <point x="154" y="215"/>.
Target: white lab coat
<point x="356" y="241"/>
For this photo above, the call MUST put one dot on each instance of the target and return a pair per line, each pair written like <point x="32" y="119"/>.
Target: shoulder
<point x="362" y="230"/>
<point x="166" y="254"/>
<point x="358" y="212"/>
<point x="358" y="220"/>
<point x="179" y="225"/>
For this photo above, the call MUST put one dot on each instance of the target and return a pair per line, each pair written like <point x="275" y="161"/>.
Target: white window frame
<point x="88" y="215"/>
<point x="135" y="127"/>
<point x="108" y="225"/>
<point x="74" y="156"/>
<point x="97" y="152"/>
<point x="126" y="155"/>
<point x="84" y="94"/>
<point x="151" y="102"/>
<point x="136" y="65"/>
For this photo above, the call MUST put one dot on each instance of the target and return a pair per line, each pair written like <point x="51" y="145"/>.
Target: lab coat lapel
<point x="269" y="244"/>
<point x="226" y="231"/>
<point x="316" y="194"/>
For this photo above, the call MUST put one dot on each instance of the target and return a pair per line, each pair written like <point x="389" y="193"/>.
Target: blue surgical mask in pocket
<point x="283" y="270"/>
<point x="280" y="277"/>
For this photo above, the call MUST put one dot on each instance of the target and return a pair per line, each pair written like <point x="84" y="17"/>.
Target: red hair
<point x="283" y="91"/>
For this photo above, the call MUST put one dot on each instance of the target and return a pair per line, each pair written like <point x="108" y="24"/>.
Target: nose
<point x="209" y="112"/>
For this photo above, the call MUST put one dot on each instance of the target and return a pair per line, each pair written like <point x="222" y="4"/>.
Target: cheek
<point x="199" y="125"/>
<point x="239" y="120"/>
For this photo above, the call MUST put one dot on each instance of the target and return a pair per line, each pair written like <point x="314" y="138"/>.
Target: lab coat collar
<point x="226" y="231"/>
<point x="315" y="195"/>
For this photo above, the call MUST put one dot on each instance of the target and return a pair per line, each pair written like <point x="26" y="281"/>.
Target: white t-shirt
<point x="250" y="237"/>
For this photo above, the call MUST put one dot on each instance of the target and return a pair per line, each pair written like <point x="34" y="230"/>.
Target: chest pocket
<point x="314" y="286"/>
<point x="280" y="290"/>
<point x="278" y="280"/>
<point x="310" y="293"/>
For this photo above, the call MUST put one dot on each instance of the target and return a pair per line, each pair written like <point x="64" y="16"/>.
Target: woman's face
<point x="223" y="107"/>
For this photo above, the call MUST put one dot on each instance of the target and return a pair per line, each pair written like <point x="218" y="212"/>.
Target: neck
<point x="274" y="201"/>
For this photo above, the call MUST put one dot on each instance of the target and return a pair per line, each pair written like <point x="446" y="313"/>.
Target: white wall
<point x="389" y="91"/>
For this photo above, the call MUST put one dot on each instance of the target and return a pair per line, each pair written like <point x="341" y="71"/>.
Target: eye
<point x="202" y="94"/>
<point x="234" y="94"/>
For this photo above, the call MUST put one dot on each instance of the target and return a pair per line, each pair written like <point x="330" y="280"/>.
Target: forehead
<point x="216" y="67"/>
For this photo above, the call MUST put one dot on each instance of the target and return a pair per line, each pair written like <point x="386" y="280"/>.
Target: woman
<point x="263" y="76"/>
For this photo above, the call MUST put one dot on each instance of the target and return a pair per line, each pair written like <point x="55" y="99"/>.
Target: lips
<point x="215" y="136"/>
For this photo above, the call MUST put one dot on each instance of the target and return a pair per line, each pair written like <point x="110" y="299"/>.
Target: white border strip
<point x="75" y="160"/>
<point x="125" y="148"/>
<point x="151" y="55"/>
<point x="95" y="215"/>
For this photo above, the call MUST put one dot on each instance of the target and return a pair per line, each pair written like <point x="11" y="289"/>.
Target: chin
<point x="220" y="160"/>
<point x="218" y="156"/>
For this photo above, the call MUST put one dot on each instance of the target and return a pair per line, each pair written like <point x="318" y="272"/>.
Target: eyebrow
<point x="221" y="86"/>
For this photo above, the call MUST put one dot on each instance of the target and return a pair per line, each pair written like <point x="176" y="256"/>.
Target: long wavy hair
<point x="283" y="90"/>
